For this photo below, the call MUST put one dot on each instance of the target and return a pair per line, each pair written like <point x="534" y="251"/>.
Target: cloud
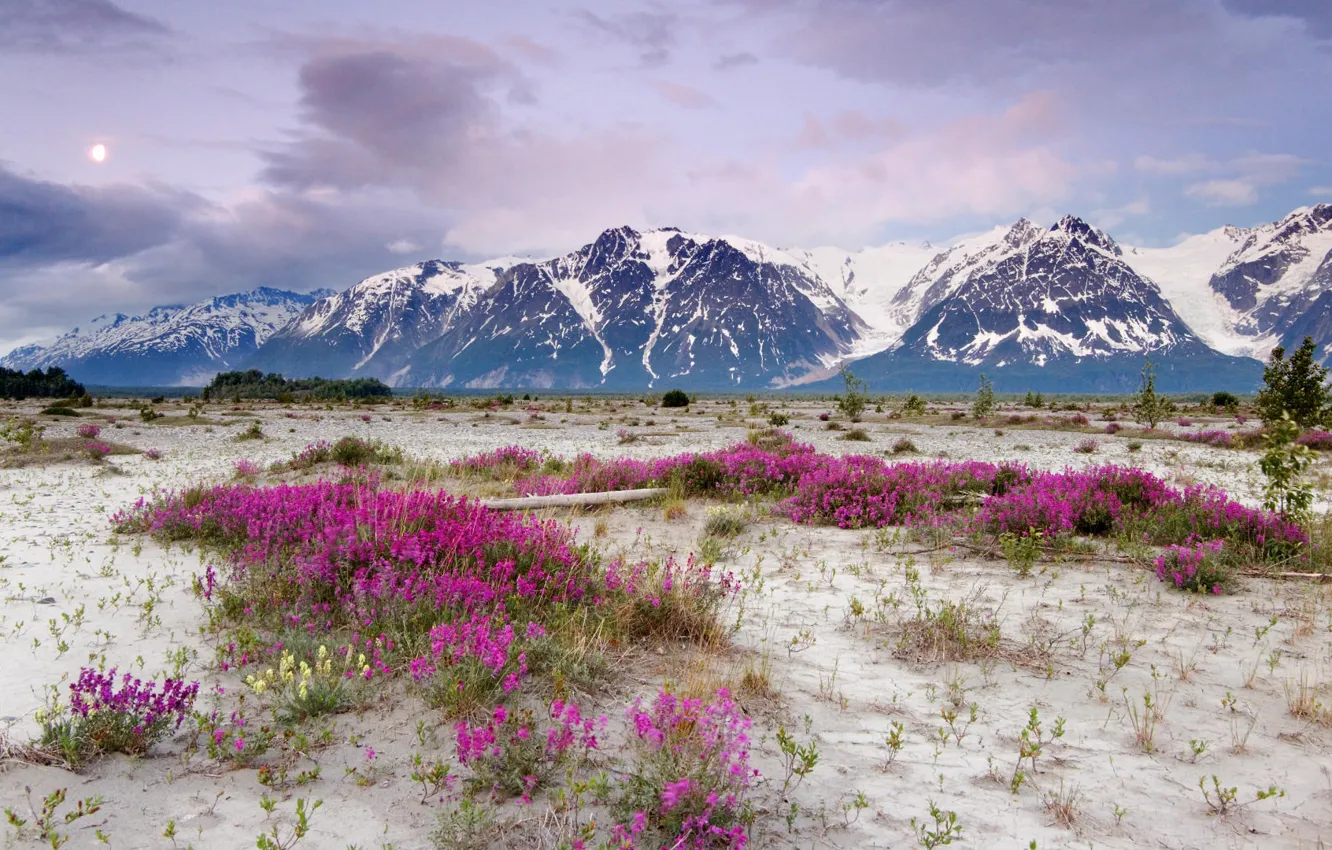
<point x="75" y="26"/>
<point x="1186" y="164"/>
<point x="1313" y="15"/>
<point x="380" y="112"/>
<point x="728" y="61"/>
<point x="134" y="247"/>
<point x="1224" y="193"/>
<point x="42" y="222"/>
<point x="1321" y="191"/>
<point x="650" y="33"/>
<point x="402" y="246"/>
<point x="1113" y="217"/>
<point x="533" y="50"/>
<point x="848" y="126"/>
<point x="682" y="95"/>
<point x="1247" y="175"/>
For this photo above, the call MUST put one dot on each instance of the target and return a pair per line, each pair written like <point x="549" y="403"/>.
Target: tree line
<point x="255" y="384"/>
<point x="53" y="383"/>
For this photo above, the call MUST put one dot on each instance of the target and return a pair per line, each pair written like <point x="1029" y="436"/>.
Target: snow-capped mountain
<point x="1062" y="308"/>
<point x="384" y="319"/>
<point x="627" y="310"/>
<point x="171" y="345"/>
<point x="1039" y="306"/>
<point x="1247" y="290"/>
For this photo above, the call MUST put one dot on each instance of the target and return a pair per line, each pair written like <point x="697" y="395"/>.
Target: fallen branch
<point x="572" y="499"/>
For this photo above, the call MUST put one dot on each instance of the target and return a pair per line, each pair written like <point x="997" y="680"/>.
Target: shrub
<point x="1198" y="567"/>
<point x="724" y="522"/>
<point x="858" y="435"/>
<point x="1087" y="446"/>
<point x="96" y="449"/>
<point x="353" y="451"/>
<point x="674" y="398"/>
<point x="1284" y="463"/>
<point x="625" y="437"/>
<point x="88" y="432"/>
<point x="824" y="417"/>
<point x="1184" y="422"/>
<point x="914" y="405"/>
<point x="984" y="403"/>
<point x="511" y="754"/>
<point x="1148" y="407"/>
<point x="246" y="468"/>
<point x="59" y="410"/>
<point x="1224" y="399"/>
<point x="691" y="776"/>
<point x="1079" y="420"/>
<point x="300" y="690"/>
<point x="254" y="432"/>
<point x="853" y="401"/>
<point x="1134" y="445"/>
<point x="107" y="714"/>
<point x="1113" y="428"/>
<point x="778" y="420"/>
<point x="147" y="414"/>
<point x="153" y="454"/>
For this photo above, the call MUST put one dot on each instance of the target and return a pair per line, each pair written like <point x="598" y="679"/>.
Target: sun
<point x="98" y="152"/>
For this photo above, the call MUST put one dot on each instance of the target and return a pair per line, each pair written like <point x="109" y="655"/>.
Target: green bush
<point x="1297" y="386"/>
<point x="675" y="398"/>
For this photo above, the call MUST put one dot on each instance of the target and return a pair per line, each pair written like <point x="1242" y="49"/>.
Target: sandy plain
<point x="1086" y="638"/>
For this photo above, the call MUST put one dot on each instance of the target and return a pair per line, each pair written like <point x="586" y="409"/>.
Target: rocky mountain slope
<point x="627" y="310"/>
<point x="171" y="345"/>
<point x="1059" y="308"/>
<point x="1046" y="308"/>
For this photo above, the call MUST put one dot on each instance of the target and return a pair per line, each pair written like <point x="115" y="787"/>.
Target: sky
<point x="300" y="145"/>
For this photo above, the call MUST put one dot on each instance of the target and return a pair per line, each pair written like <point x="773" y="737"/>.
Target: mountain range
<point x="1062" y="308"/>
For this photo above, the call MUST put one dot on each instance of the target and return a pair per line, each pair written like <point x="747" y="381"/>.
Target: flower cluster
<point x="121" y="714"/>
<point x="246" y="468"/>
<point x="857" y="492"/>
<point x="691" y="777"/>
<point x="1196" y="566"/>
<point x="509" y="753"/>
<point x="96" y="449"/>
<point x="502" y="463"/>
<point x="1220" y="439"/>
<point x="88" y="432"/>
<point x="148" y="703"/>
<point x="1319" y="441"/>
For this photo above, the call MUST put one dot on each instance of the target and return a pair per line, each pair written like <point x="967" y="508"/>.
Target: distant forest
<point x="256" y="384"/>
<point x="53" y="383"/>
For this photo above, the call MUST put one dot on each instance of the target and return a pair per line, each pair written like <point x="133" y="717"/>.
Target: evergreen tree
<point x="1297" y="386"/>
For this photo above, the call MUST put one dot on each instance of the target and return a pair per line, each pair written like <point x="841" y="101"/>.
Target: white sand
<point x="56" y="540"/>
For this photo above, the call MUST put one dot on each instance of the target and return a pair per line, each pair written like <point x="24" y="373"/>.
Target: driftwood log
<point x="566" y="500"/>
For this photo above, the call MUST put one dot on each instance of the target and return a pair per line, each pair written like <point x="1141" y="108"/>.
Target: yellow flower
<point x="323" y="651"/>
<point x="304" y="691"/>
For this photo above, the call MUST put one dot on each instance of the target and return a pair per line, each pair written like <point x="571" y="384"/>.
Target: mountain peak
<point x="1022" y="232"/>
<point x="1076" y="228"/>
